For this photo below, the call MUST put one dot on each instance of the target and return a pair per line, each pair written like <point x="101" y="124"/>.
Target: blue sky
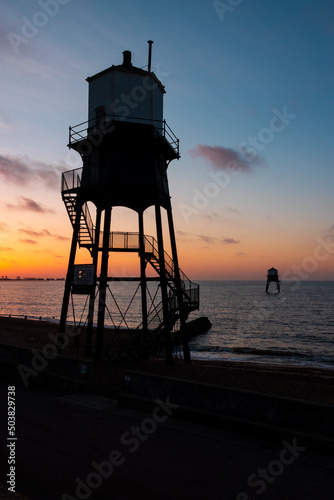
<point x="229" y="68"/>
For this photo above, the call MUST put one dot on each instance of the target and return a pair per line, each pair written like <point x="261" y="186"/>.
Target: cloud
<point x="207" y="239"/>
<point x="29" y="204"/>
<point x="230" y="241"/>
<point x="23" y="170"/>
<point x="210" y="239"/>
<point x="234" y="210"/>
<point x="6" y="249"/>
<point x="185" y="236"/>
<point x="3" y="227"/>
<point x="29" y="242"/>
<point x="43" y="250"/>
<point x="226" y="158"/>
<point x="42" y="233"/>
<point x="213" y="216"/>
<point x="240" y="254"/>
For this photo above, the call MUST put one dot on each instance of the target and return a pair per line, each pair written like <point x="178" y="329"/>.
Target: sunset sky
<point x="249" y="93"/>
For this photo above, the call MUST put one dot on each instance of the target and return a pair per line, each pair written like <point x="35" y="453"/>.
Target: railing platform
<point x="93" y="132"/>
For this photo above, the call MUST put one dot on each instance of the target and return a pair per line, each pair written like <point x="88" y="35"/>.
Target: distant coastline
<point x="5" y="278"/>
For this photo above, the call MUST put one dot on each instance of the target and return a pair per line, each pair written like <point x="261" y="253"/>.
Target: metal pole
<point x="103" y="284"/>
<point x="69" y="275"/>
<point x="186" y="350"/>
<point x="149" y="55"/>
<point x="163" y="284"/>
<point x="95" y="254"/>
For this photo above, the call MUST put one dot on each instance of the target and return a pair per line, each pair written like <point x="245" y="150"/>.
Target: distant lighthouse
<point x="272" y="276"/>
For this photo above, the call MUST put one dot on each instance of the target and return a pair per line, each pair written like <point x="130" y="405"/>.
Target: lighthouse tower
<point x="272" y="276"/>
<point x="126" y="147"/>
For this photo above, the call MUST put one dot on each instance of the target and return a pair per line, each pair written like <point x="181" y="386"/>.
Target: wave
<point x="266" y="352"/>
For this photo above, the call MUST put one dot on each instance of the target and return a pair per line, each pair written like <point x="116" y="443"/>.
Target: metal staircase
<point x="86" y="232"/>
<point x="189" y="290"/>
<point x="120" y="241"/>
<point x="70" y="188"/>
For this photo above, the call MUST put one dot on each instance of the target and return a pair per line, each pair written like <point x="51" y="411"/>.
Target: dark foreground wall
<point x="45" y="367"/>
<point x="228" y="407"/>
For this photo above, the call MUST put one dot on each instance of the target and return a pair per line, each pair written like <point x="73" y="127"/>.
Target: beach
<point x="60" y="419"/>
<point x="298" y="382"/>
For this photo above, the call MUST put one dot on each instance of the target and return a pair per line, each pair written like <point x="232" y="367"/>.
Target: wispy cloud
<point x="207" y="239"/>
<point x="234" y="210"/>
<point x="28" y="204"/>
<point x="226" y="158"/>
<point x="3" y="227"/>
<point x="212" y="216"/>
<point x="240" y="254"/>
<point x="230" y="241"/>
<point x="28" y="241"/>
<point x="43" y="233"/>
<point x="6" y="249"/>
<point x="24" y="170"/>
<point x="185" y="236"/>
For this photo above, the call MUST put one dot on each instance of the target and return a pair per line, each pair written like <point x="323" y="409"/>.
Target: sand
<point x="300" y="382"/>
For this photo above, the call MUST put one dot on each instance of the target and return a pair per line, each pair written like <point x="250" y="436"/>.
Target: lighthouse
<point x="126" y="148"/>
<point x="272" y="276"/>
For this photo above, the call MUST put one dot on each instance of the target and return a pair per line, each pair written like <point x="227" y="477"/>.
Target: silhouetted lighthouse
<point x="126" y="147"/>
<point x="272" y="276"/>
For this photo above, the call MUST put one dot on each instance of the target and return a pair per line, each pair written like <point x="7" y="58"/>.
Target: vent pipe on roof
<point x="127" y="59"/>
<point x="149" y="55"/>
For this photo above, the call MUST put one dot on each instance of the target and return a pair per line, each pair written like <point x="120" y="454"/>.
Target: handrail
<point x="81" y="131"/>
<point x="71" y="179"/>
<point x="127" y="240"/>
<point x="89" y="222"/>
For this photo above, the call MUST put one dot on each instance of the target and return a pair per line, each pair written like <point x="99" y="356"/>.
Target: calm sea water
<point x="293" y="327"/>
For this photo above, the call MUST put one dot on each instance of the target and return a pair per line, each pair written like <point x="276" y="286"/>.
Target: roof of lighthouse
<point x="127" y="67"/>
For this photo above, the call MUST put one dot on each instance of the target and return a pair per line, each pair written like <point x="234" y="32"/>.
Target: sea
<point x="293" y="327"/>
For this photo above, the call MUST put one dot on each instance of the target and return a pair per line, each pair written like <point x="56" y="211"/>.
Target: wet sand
<point x="300" y="382"/>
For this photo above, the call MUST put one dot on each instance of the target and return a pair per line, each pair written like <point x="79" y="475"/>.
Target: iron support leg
<point x="69" y="278"/>
<point x="163" y="284"/>
<point x="95" y="253"/>
<point x="103" y="284"/>
<point x="143" y="276"/>
<point x="186" y="350"/>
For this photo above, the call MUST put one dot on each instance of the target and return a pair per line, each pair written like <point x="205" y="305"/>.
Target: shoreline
<point x="50" y="325"/>
<point x="308" y="383"/>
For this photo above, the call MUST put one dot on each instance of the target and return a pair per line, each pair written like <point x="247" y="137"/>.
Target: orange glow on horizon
<point x="199" y="259"/>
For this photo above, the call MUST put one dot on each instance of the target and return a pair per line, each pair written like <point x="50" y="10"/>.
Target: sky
<point x="249" y="93"/>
